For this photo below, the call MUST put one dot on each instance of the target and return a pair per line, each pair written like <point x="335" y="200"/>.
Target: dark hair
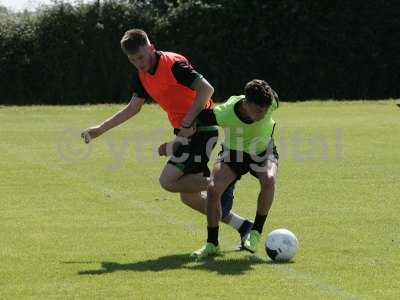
<point x="134" y="39"/>
<point x="259" y="92"/>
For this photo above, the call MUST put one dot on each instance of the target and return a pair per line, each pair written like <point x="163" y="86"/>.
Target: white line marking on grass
<point x="312" y="279"/>
<point x="291" y="272"/>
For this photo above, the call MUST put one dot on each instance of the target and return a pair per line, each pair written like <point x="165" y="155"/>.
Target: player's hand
<point x="168" y="149"/>
<point x="91" y="133"/>
<point x="162" y="150"/>
<point x="187" y="132"/>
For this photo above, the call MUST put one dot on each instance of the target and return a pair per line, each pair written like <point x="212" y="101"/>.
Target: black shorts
<point x="242" y="163"/>
<point x="193" y="157"/>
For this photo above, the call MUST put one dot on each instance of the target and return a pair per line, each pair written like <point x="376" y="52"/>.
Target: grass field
<point x="84" y="222"/>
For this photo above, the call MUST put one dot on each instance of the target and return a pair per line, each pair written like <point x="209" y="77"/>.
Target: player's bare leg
<point x="264" y="202"/>
<point x="174" y="180"/>
<point x="267" y="188"/>
<point x="191" y="187"/>
<point x="221" y="177"/>
<point x="198" y="201"/>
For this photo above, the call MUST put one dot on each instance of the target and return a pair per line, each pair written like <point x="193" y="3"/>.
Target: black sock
<point x="212" y="235"/>
<point x="244" y="227"/>
<point x="259" y="222"/>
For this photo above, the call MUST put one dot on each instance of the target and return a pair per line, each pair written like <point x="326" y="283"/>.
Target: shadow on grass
<point x="273" y="262"/>
<point x="234" y="266"/>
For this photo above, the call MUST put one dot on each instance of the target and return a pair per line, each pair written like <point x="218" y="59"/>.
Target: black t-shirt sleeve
<point x="185" y="74"/>
<point x="206" y="118"/>
<point x="138" y="88"/>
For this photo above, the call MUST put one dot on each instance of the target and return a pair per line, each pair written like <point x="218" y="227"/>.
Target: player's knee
<point x="268" y="183"/>
<point x="213" y="194"/>
<point x="185" y="198"/>
<point x="167" y="184"/>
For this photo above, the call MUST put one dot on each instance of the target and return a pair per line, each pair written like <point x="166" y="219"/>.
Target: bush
<point x="65" y="54"/>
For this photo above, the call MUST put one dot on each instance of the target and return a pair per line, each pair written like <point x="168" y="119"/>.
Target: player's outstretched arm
<point x="120" y="117"/>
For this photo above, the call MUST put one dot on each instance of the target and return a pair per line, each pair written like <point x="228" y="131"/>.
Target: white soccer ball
<point x="281" y="245"/>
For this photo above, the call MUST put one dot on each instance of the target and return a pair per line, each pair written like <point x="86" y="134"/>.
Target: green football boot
<point x="207" y="250"/>
<point x="252" y="241"/>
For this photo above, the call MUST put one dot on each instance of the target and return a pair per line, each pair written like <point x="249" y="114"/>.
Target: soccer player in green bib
<point x="248" y="148"/>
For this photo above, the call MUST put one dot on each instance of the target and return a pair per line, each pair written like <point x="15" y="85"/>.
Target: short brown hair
<point x="259" y="92"/>
<point x="133" y="39"/>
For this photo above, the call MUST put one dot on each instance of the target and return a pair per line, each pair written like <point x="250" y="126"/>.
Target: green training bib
<point x="250" y="138"/>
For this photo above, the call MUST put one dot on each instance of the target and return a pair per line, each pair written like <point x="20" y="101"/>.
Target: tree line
<point x="70" y="54"/>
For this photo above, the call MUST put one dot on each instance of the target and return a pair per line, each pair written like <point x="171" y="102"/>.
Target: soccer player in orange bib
<point x="170" y="80"/>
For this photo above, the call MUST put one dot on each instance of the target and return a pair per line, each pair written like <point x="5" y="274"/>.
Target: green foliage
<point x="306" y="49"/>
<point x="70" y="53"/>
